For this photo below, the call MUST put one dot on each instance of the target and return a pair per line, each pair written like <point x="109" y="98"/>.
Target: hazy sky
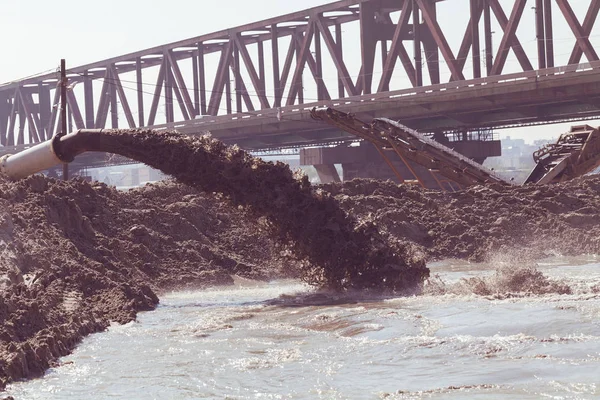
<point x="36" y="34"/>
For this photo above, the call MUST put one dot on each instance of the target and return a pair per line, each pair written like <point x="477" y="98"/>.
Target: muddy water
<point x="237" y="343"/>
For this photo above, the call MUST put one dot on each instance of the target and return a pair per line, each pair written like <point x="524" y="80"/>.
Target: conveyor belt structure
<point x="387" y="135"/>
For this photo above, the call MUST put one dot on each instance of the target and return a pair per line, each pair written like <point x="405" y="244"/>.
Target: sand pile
<point x="76" y="257"/>
<point x="482" y="221"/>
<point x="341" y="254"/>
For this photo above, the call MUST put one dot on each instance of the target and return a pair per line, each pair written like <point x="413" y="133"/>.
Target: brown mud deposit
<point x="76" y="256"/>
<point x="341" y="254"/>
<point x="481" y="221"/>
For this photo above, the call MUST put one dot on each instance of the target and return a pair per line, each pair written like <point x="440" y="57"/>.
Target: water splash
<point x="514" y="275"/>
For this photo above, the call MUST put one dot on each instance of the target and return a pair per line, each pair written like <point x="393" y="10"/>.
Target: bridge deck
<point x="552" y="94"/>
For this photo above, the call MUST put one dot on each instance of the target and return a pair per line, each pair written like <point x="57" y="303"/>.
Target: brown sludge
<point x="77" y="256"/>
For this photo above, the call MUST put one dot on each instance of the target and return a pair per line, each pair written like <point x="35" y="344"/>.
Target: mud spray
<point x="76" y="256"/>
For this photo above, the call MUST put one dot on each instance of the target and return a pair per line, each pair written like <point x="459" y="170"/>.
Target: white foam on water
<point x="282" y="340"/>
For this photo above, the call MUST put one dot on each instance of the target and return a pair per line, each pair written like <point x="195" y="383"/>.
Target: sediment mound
<point x="341" y="254"/>
<point x="481" y="221"/>
<point x="77" y="256"/>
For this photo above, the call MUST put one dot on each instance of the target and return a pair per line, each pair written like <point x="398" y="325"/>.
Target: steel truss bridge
<point x="255" y="84"/>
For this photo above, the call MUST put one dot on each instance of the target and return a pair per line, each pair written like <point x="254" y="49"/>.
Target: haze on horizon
<point x="39" y="33"/>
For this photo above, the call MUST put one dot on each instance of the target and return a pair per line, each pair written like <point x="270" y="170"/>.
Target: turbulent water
<point x="282" y="341"/>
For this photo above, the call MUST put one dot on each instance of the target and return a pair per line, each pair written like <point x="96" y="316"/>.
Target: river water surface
<point x="237" y="343"/>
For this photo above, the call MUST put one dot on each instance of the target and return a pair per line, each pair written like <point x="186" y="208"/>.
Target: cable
<point x="267" y="112"/>
<point x="250" y="94"/>
<point x="351" y="76"/>
<point x="427" y="61"/>
<point x="27" y="77"/>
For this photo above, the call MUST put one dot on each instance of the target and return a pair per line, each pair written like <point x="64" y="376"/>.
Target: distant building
<point x="517" y="158"/>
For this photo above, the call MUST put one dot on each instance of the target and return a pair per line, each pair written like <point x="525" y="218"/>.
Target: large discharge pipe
<point x="58" y="150"/>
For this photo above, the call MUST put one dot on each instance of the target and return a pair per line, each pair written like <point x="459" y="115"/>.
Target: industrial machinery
<point x="409" y="145"/>
<point x="60" y="149"/>
<point x="574" y="154"/>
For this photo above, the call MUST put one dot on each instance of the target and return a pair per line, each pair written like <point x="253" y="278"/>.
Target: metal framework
<point x="574" y="154"/>
<point x="267" y="61"/>
<point x="441" y="161"/>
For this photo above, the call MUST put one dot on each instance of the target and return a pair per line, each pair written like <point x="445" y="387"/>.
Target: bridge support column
<point x="540" y="33"/>
<point x="487" y="31"/>
<point x="45" y="111"/>
<point x="549" y="39"/>
<point x="135" y="177"/>
<point x="88" y="89"/>
<point x="21" y="115"/>
<point x="368" y="44"/>
<point x="327" y="173"/>
<point x="362" y="162"/>
<point x="114" y="111"/>
<point x="373" y="166"/>
<point x="4" y="112"/>
<point x="417" y="44"/>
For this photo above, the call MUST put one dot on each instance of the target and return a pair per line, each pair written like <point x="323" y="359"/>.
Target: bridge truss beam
<point x="275" y="62"/>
